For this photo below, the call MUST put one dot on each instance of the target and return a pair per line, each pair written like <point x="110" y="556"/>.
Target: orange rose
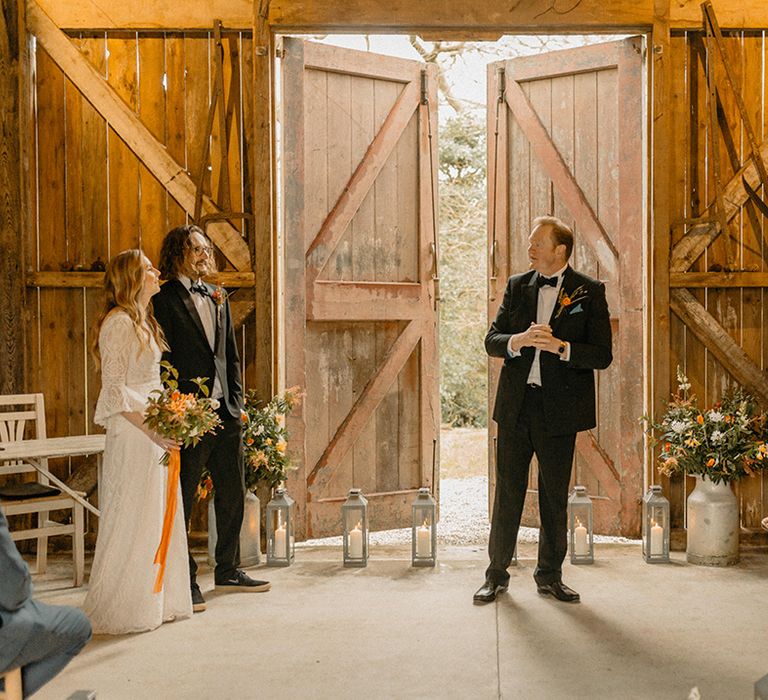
<point x="711" y="462"/>
<point x="700" y="419"/>
<point x="249" y="441"/>
<point x="175" y="396"/>
<point x="566" y="301"/>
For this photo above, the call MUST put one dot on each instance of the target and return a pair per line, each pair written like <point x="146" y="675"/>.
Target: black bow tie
<point x="542" y="281"/>
<point x="199" y="288"/>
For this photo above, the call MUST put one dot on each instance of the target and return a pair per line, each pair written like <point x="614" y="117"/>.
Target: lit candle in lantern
<point x="356" y="542"/>
<point x="657" y="539"/>
<point x="424" y="541"/>
<point x="580" y="545"/>
<point x="280" y="549"/>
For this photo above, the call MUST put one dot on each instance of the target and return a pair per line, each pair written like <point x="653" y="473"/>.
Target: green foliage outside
<point x="463" y="362"/>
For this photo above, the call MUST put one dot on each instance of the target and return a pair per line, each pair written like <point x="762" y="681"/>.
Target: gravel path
<point x="463" y="519"/>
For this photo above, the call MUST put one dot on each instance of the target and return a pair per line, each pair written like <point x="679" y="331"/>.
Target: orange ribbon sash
<point x="171" y="498"/>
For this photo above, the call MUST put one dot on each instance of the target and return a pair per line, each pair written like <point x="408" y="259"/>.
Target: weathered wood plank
<point x="122" y="71"/>
<point x="364" y="300"/>
<point x="138" y="138"/>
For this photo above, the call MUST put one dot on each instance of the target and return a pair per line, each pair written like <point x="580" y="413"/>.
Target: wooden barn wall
<point x="92" y="197"/>
<point x="739" y="310"/>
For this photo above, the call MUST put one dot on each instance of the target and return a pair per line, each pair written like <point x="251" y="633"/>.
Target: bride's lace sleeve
<point x="117" y="344"/>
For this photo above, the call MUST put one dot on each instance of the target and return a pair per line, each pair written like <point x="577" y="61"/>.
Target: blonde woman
<point x="127" y="345"/>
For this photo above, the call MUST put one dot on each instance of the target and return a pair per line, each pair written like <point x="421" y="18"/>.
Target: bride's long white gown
<point x="132" y="498"/>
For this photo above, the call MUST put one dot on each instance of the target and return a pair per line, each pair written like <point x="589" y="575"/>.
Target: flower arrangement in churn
<point x="265" y="442"/>
<point x="265" y="438"/>
<point x="725" y="443"/>
<point x="184" y="418"/>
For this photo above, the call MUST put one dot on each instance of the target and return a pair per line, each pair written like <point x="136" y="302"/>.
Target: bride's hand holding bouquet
<point x="180" y="419"/>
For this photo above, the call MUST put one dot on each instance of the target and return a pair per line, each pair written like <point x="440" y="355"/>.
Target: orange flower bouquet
<point x="178" y="416"/>
<point x="184" y="418"/>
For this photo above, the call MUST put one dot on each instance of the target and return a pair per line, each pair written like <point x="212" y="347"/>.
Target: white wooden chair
<point x="12" y="680"/>
<point x="22" y="417"/>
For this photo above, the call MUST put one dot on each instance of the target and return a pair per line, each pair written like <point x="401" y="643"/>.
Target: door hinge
<point x="424" y="86"/>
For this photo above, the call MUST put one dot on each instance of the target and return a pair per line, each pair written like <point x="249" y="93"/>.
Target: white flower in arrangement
<point x="678" y="426"/>
<point x="717" y="437"/>
<point x="215" y="404"/>
<point x="715" y="416"/>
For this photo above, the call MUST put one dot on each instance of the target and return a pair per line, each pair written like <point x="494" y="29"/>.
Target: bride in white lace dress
<point x="132" y="492"/>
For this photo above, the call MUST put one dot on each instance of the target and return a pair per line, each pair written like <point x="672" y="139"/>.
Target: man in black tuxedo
<point x="196" y="320"/>
<point x="553" y="330"/>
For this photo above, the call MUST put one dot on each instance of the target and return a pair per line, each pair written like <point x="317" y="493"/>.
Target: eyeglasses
<point x="200" y="249"/>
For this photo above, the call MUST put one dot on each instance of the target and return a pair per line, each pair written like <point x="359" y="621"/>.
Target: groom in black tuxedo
<point x="195" y="318"/>
<point x="553" y="330"/>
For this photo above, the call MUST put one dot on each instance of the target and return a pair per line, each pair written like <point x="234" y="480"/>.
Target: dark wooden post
<point x="263" y="249"/>
<point x="12" y="42"/>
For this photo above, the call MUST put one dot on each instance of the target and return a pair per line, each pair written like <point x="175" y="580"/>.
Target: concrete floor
<point x="392" y="631"/>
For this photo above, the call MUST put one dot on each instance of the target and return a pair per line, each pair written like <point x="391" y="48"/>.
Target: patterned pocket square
<point x="575" y="310"/>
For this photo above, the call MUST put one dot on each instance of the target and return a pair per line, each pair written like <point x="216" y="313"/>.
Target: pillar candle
<point x="580" y="544"/>
<point x="423" y="541"/>
<point x="657" y="539"/>
<point x="356" y="543"/>
<point x="280" y="550"/>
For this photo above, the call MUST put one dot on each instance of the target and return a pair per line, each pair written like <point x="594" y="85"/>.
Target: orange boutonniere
<point x="565" y="300"/>
<point x="219" y="296"/>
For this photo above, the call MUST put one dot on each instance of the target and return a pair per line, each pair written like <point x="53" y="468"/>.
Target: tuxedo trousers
<point x="515" y="448"/>
<point x="222" y="454"/>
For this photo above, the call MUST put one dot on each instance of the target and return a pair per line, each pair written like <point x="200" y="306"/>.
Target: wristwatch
<point x="561" y="348"/>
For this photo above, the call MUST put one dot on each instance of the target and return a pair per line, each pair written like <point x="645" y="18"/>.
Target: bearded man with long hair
<point x="197" y="323"/>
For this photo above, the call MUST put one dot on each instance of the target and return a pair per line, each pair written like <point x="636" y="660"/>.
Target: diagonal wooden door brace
<point x="130" y="129"/>
<point x="717" y="341"/>
<point x="362" y="180"/>
<point x="557" y="170"/>
<point x="371" y="396"/>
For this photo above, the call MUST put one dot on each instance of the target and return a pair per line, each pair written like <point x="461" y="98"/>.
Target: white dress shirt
<point x="205" y="309"/>
<point x="545" y="305"/>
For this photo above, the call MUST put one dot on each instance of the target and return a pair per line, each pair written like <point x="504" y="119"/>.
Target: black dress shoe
<point x="560" y="591"/>
<point x="198" y="602"/>
<point x="241" y="581"/>
<point x="488" y="591"/>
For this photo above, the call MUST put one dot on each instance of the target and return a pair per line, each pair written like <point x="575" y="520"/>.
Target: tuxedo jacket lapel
<point x="531" y="298"/>
<point x="566" y="288"/>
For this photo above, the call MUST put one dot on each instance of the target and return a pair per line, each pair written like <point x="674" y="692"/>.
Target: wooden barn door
<point x="360" y="156"/>
<point x="565" y="137"/>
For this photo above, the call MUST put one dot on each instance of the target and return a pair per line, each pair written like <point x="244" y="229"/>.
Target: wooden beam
<point x="718" y="280"/>
<point x="148" y="14"/>
<point x="599" y="462"/>
<point x="128" y="127"/>
<point x="717" y="341"/>
<point x="362" y="180"/>
<point x="695" y="242"/>
<point x="365" y="16"/>
<point x="557" y="170"/>
<point x="94" y="280"/>
<point x="433" y="19"/>
<point x="262" y="171"/>
<point x="12" y="46"/>
<point x="371" y="396"/>
<point x="240" y="311"/>
<point x="661" y="135"/>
